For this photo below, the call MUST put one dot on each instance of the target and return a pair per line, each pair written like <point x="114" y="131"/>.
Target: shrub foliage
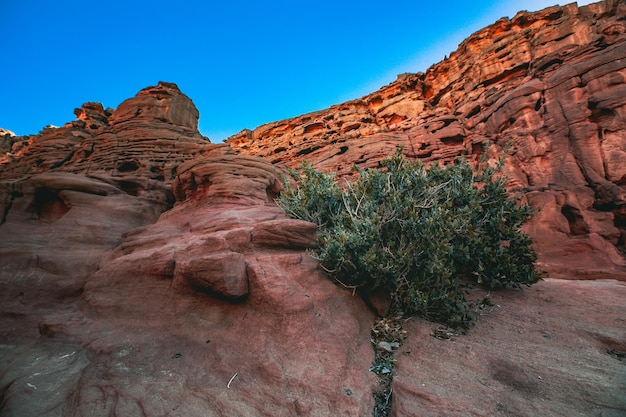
<point x="422" y="234"/>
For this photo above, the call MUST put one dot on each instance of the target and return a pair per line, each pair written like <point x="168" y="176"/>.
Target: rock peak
<point x="93" y="115"/>
<point x="163" y="103"/>
<point x="6" y="132"/>
<point x="148" y="135"/>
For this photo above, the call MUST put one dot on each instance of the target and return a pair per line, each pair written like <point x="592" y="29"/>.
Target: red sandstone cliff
<point x="552" y="82"/>
<point x="145" y="271"/>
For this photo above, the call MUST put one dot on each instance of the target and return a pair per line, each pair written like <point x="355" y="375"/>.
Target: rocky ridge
<point x="551" y="83"/>
<point x="147" y="136"/>
<point x="146" y="271"/>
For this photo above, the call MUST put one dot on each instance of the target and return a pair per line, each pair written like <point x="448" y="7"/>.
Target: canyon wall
<point x="551" y="83"/>
<point x="145" y="271"/>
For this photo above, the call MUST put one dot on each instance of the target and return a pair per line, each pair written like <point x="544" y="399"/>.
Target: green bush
<point x="422" y="234"/>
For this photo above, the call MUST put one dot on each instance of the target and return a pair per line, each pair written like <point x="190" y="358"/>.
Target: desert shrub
<point x="422" y="234"/>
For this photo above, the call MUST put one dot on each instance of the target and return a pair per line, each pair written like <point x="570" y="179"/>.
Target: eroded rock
<point x="548" y="350"/>
<point x="146" y="271"/>
<point x="147" y="136"/>
<point x="551" y="83"/>
<point x="202" y="310"/>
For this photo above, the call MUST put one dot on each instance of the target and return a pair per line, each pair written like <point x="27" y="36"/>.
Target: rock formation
<point x="115" y="303"/>
<point x="560" y="339"/>
<point x="552" y="83"/>
<point x="148" y="136"/>
<point x="145" y="271"/>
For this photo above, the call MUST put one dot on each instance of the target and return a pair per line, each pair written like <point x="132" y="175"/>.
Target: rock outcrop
<point x="148" y="136"/>
<point x="552" y="83"/>
<point x="178" y="291"/>
<point x="146" y="271"/>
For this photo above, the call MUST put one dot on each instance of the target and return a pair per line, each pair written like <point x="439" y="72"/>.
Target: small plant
<point x="422" y="234"/>
<point x="387" y="337"/>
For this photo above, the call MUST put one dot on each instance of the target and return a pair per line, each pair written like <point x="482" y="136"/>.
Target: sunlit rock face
<point x="551" y="83"/>
<point x="163" y="103"/>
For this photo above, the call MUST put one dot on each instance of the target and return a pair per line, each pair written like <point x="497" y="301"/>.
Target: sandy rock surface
<point x="555" y="349"/>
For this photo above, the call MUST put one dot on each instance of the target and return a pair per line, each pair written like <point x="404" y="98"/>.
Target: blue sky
<point x="243" y="63"/>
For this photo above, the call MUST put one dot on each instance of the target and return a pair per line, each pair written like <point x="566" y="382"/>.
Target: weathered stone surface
<point x="220" y="178"/>
<point x="148" y="136"/>
<point x="6" y="132"/>
<point x="291" y="309"/>
<point x="37" y="380"/>
<point x="146" y="271"/>
<point x="552" y="82"/>
<point x="218" y="273"/>
<point x="288" y="233"/>
<point x="555" y="349"/>
<point x="56" y="227"/>
<point x="7" y="141"/>
<point x="161" y="104"/>
<point x="132" y="312"/>
<point x="93" y="115"/>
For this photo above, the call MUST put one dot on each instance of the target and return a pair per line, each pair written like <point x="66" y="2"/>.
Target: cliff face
<point x="146" y="271"/>
<point x="552" y="83"/>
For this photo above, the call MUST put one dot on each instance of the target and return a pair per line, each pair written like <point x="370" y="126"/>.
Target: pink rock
<point x="223" y="274"/>
<point x="146" y="271"/>
<point x="288" y="233"/>
<point x="548" y="350"/>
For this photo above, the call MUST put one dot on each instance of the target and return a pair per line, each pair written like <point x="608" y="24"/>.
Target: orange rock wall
<point x="146" y="271"/>
<point x="553" y="83"/>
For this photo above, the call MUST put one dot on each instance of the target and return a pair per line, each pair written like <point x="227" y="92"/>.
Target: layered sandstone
<point x="147" y="136"/>
<point x="154" y="275"/>
<point x="145" y="271"/>
<point x="213" y="309"/>
<point x="552" y="83"/>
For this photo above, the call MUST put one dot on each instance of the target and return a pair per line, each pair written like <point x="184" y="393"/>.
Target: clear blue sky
<point x="243" y="63"/>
